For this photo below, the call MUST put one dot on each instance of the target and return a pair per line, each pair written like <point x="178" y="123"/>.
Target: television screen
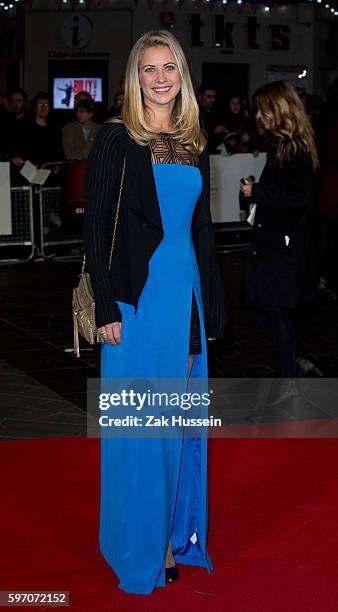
<point x="66" y="88"/>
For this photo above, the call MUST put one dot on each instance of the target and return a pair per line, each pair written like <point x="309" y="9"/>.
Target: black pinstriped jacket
<point x="139" y="228"/>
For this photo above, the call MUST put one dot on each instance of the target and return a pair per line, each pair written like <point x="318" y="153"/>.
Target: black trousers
<point x="195" y="345"/>
<point x="279" y="323"/>
<point x="329" y="249"/>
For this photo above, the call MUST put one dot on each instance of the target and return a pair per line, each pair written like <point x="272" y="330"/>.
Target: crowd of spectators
<point x="232" y="127"/>
<point x="33" y="131"/>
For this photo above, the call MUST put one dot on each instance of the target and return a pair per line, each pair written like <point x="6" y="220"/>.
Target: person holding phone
<point x="281" y="268"/>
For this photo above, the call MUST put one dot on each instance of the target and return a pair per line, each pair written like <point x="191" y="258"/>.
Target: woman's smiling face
<point x="159" y="76"/>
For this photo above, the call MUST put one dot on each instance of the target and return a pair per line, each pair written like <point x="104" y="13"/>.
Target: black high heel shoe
<point x="172" y="573"/>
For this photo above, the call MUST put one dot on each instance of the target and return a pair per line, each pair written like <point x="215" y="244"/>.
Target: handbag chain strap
<point x="115" y="223"/>
<point x="117" y="214"/>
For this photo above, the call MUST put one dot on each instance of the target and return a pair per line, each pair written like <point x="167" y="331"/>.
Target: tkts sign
<point x="224" y="32"/>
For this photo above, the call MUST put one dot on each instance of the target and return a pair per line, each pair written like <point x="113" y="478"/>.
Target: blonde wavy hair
<point x="289" y="125"/>
<point x="185" y="114"/>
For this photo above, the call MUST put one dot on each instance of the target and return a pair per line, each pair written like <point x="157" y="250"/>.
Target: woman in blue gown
<point x="153" y="490"/>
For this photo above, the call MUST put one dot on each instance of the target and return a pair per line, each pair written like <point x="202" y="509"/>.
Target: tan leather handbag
<point x="83" y="304"/>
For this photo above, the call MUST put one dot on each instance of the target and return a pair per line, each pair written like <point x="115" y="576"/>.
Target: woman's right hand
<point x="246" y="187"/>
<point x="111" y="333"/>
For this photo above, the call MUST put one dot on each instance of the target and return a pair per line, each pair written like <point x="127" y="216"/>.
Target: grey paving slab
<point x="31" y="410"/>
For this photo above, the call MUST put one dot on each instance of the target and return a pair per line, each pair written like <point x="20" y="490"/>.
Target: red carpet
<point x="273" y="528"/>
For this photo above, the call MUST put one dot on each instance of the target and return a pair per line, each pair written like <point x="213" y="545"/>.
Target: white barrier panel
<point x="225" y="175"/>
<point x="5" y="200"/>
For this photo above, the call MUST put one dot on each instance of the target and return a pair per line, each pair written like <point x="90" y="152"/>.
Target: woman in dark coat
<point x="281" y="271"/>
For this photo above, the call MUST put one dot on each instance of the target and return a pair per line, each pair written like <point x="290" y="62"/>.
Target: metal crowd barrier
<point x="47" y="219"/>
<point x="61" y="235"/>
<point x="19" y="246"/>
<point x="52" y="232"/>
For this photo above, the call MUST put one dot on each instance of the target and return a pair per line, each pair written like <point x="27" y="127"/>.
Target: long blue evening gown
<point x="155" y="490"/>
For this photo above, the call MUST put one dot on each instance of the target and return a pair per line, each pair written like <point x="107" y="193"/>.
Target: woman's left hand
<point x="246" y="188"/>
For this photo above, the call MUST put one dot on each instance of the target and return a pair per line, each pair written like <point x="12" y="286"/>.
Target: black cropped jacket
<point x="139" y="228"/>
